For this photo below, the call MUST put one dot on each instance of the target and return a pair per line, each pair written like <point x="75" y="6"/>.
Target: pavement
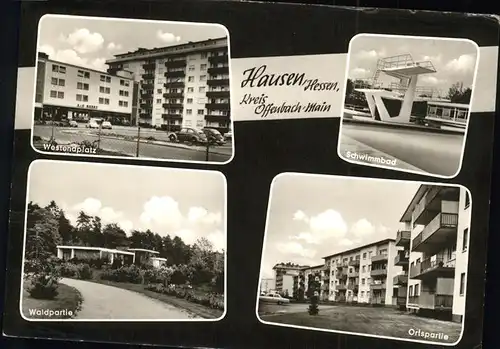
<point x="113" y="303"/>
<point x="123" y="140"/>
<point x="429" y="152"/>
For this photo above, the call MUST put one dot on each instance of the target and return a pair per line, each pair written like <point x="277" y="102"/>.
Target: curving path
<point x="108" y="302"/>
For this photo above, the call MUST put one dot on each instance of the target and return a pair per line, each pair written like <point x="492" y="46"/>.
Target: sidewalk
<point x="353" y="146"/>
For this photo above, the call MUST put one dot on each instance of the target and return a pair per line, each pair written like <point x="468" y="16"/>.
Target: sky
<point x="454" y="60"/>
<point x="311" y="217"/>
<point x="185" y="203"/>
<point x="90" y="42"/>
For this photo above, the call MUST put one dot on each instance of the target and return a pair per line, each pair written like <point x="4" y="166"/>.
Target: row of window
<point x="86" y="75"/>
<point x="85" y="98"/>
<point x="414" y="290"/>
<point x="368" y="255"/>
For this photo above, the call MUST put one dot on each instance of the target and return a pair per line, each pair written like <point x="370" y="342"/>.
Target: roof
<point x="92" y="248"/>
<point x="143" y="250"/>
<point x="159" y="258"/>
<point x="294" y="267"/>
<point x="380" y="242"/>
<point x="449" y="104"/>
<point x="406" y="217"/>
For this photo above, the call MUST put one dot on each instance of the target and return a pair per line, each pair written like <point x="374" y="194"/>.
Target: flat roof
<point x="406" y="217"/>
<point x="91" y="248"/>
<point x="159" y="258"/>
<point x="380" y="242"/>
<point x="449" y="104"/>
<point x="143" y="250"/>
<point x="294" y="267"/>
<point x="85" y="68"/>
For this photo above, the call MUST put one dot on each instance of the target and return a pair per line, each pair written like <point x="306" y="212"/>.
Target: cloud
<point x="328" y="224"/>
<point x="201" y="215"/>
<point x="113" y="47"/>
<point x="218" y="239"/>
<point x="462" y="64"/>
<point x="292" y="248"/>
<point x="90" y="206"/>
<point x="370" y="54"/>
<point x="431" y="80"/>
<point x="70" y="56"/>
<point x="167" y="37"/>
<point x="300" y="216"/>
<point x="163" y="211"/>
<point x="94" y="207"/>
<point x="83" y="41"/>
<point x="433" y="59"/>
<point x="306" y="237"/>
<point x="359" y="73"/>
<point x="362" y="228"/>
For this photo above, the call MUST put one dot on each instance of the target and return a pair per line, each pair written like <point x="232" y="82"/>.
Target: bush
<point x="84" y="272"/>
<point x="211" y="300"/>
<point x="130" y="274"/>
<point x="97" y="263"/>
<point x="43" y="286"/>
<point x="69" y="270"/>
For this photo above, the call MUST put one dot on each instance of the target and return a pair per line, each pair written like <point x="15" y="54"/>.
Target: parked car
<point x="228" y="135"/>
<point x="274" y="298"/>
<point x="214" y="136"/>
<point x="190" y="135"/>
<point x="106" y="125"/>
<point x="92" y="124"/>
<point x="73" y="123"/>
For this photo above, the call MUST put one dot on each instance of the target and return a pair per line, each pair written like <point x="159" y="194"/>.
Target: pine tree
<point x="314" y="290"/>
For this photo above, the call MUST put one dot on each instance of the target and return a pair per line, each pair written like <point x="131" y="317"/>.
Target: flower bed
<point x="76" y="271"/>
<point x="211" y="300"/>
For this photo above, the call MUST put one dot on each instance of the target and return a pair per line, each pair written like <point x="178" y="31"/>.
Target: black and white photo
<point x="133" y="88"/>
<point x="407" y="102"/>
<point x="371" y="257"/>
<point x="123" y="243"/>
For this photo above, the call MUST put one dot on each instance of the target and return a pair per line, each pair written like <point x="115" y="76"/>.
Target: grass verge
<point x="64" y="306"/>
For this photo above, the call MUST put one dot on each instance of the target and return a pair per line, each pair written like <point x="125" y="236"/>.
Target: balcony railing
<point x="424" y="203"/>
<point x="378" y="286"/>
<point x="401" y="258"/>
<point x="397" y="300"/>
<point x="172" y="116"/>
<point x="432" y="301"/>
<point x="173" y="105"/>
<point x="217" y="94"/>
<point x="175" y="74"/>
<point x="341" y="287"/>
<point x="174" y="95"/>
<point x="218" y="70"/>
<point x="146" y="105"/>
<point x="341" y="276"/>
<point x="148" y="76"/>
<point x="353" y="274"/>
<point x="354" y="263"/>
<point x="218" y="59"/>
<point x="218" y="106"/>
<point x="379" y="258"/>
<point x="145" y="116"/>
<point x="403" y="238"/>
<point x="178" y="63"/>
<point x="432" y="268"/>
<point x="378" y="272"/>
<point x="435" y="232"/>
<point x="174" y="84"/>
<point x="149" y="66"/>
<point x="147" y="95"/>
<point x="217" y="118"/>
<point x="352" y="286"/>
<point x="218" y="82"/>
<point x="401" y="279"/>
<point x="147" y="86"/>
<point x="413" y="300"/>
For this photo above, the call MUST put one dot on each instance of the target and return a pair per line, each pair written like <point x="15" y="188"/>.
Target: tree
<point x="314" y="290"/>
<point x="114" y="236"/>
<point x="42" y="235"/>
<point x="458" y="94"/>
<point x="202" y="262"/>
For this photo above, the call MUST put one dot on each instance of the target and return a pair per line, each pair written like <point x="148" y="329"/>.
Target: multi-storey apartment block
<point x="363" y="274"/>
<point x="183" y="85"/>
<point x="284" y="275"/>
<point x="66" y="91"/>
<point x="438" y="219"/>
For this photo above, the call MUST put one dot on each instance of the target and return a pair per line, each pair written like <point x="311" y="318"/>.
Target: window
<point x="190" y="89"/>
<point x="362" y="294"/>
<point x="158" y="101"/>
<point x="53" y="94"/>
<point x="83" y="74"/>
<point x="191" y="67"/>
<point x="103" y="78"/>
<point x="364" y="268"/>
<point x="465" y="238"/>
<point x="189" y="101"/>
<point x="82" y="86"/>
<point x="60" y="94"/>
<point x="363" y="280"/>
<point x="201" y="89"/>
<point x="124" y="82"/>
<point x="410" y="291"/>
<point x="108" y="79"/>
<point x="158" y="90"/>
<point x="201" y="111"/>
<point x="364" y="255"/>
<point x="462" y="284"/>
<point x="417" y="290"/>
<point x="62" y="82"/>
<point x="203" y="77"/>
<point x="467" y="199"/>
<point x="203" y="67"/>
<point x="58" y="69"/>
<point x="54" y="81"/>
<point x="190" y="78"/>
<point x="123" y="103"/>
<point x="189" y="111"/>
<point x="103" y="100"/>
<point x="203" y="55"/>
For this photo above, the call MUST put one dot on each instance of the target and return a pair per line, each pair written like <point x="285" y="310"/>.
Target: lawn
<point x="194" y="308"/>
<point x="373" y="321"/>
<point x="65" y="306"/>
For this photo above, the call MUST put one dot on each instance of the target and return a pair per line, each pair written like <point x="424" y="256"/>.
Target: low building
<point x="284" y="277"/>
<point x="86" y="252"/>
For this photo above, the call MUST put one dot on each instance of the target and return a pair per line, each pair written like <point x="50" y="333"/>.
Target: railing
<point x="354" y="263"/>
<point x="353" y="274"/>
<point x="341" y="287"/>
<point x="435" y="301"/>
<point x="379" y="258"/>
<point x="218" y="82"/>
<point x="341" y="276"/>
<point x="425" y="201"/>
<point x="378" y="286"/>
<point x="413" y="300"/>
<point x="397" y="300"/>
<point x="442" y="220"/>
<point x="352" y="286"/>
<point x="378" y="272"/>
<point x="438" y="262"/>
<point x="402" y="237"/>
<point x="401" y="257"/>
<point x="218" y="106"/>
<point x="401" y="279"/>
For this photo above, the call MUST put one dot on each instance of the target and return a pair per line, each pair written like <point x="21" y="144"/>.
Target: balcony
<point x="147" y="94"/>
<point x="148" y="76"/>
<point x="325" y="287"/>
<point x="218" y="59"/>
<point x="178" y="63"/>
<point x="218" y="106"/>
<point x="378" y="272"/>
<point x="218" y="82"/>
<point x="436" y="233"/>
<point x="217" y="118"/>
<point x="149" y="66"/>
<point x="379" y="258"/>
<point x="145" y="116"/>
<point x="179" y="95"/>
<point x="377" y="286"/>
<point x="401" y="258"/>
<point x="353" y="287"/>
<point x="146" y="105"/>
<point x="218" y="70"/>
<point x="173" y="105"/>
<point x="432" y="269"/>
<point x="218" y="94"/>
<point x="432" y="301"/>
<point x="147" y="86"/>
<point x="401" y="279"/>
<point x="174" y="84"/>
<point x="172" y="116"/>
<point x="175" y="74"/>
<point x="430" y="203"/>
<point x="354" y="263"/>
<point x="353" y="274"/>
<point x="341" y="287"/>
<point x="341" y="276"/>
<point x="403" y="238"/>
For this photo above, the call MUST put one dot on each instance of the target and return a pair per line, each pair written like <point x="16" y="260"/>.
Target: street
<point x="122" y="140"/>
<point x="432" y="152"/>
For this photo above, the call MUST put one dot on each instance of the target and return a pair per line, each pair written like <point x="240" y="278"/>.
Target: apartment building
<point x="66" y="91"/>
<point x="267" y="285"/>
<point x="438" y="219"/>
<point x="284" y="274"/>
<point x="183" y="85"/>
<point x="363" y="274"/>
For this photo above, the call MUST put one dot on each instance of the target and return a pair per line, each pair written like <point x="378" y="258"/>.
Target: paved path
<point x="108" y="302"/>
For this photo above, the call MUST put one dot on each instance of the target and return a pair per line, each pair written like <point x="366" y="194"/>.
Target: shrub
<point x="130" y="274"/>
<point x="69" y="270"/>
<point x="43" y="286"/>
<point x="84" y="272"/>
<point x="211" y="300"/>
<point x="97" y="263"/>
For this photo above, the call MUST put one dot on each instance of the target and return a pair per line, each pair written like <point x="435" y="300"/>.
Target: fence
<point x="130" y="141"/>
